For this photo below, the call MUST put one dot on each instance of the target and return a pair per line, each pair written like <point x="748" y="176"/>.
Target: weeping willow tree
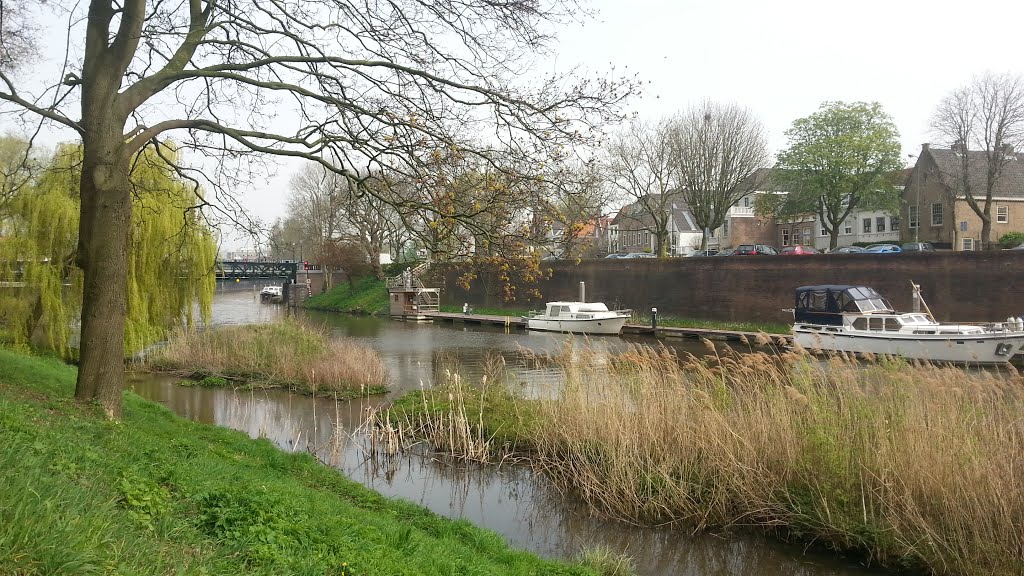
<point x="171" y="255"/>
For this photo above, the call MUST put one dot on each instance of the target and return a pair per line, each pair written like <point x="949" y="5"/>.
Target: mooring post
<point x="654" y="319"/>
<point x="583" y="291"/>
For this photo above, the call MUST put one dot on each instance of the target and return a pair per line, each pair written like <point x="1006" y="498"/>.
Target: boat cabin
<point x="579" y="310"/>
<point x="826" y="304"/>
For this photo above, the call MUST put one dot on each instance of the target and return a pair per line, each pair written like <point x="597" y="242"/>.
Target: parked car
<point x="798" y="250"/>
<point x="1021" y="247"/>
<point x="697" y="253"/>
<point x="640" y="255"/>
<point x="847" y="250"/>
<point x="616" y="255"/>
<point x="726" y="252"/>
<point x="755" y="250"/>
<point x="882" y="249"/>
<point x="917" y="247"/>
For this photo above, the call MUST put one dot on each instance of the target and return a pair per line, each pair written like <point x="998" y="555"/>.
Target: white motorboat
<point x="272" y="294"/>
<point x="578" y="318"/>
<point x="858" y="319"/>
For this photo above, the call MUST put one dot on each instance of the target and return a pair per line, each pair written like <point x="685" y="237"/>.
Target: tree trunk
<point x="106" y="211"/>
<point x="833" y="239"/>
<point x="986" y="232"/>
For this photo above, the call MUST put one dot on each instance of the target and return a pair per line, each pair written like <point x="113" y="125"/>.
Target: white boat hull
<point x="986" y="348"/>
<point x="611" y="325"/>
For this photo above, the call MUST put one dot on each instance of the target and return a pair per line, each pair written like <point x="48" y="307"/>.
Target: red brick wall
<point x="979" y="286"/>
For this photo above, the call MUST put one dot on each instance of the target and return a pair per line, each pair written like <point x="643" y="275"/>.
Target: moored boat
<point x="859" y="320"/>
<point x="578" y="318"/>
<point x="272" y="294"/>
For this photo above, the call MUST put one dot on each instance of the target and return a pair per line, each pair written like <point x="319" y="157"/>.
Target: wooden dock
<point x="638" y="329"/>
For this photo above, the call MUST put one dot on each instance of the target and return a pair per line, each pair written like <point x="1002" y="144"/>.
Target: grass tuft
<point x="288" y="353"/>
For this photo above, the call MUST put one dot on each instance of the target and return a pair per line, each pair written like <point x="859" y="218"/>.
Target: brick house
<point x="633" y="230"/>
<point x="933" y="215"/>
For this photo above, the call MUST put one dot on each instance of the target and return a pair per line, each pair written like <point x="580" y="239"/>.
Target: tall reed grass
<point x="287" y="353"/>
<point x="918" y="466"/>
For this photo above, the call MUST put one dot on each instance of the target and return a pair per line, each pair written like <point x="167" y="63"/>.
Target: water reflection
<point x="521" y="506"/>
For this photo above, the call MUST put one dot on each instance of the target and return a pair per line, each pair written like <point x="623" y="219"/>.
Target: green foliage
<point x="1011" y="240"/>
<point x="213" y="382"/>
<point x="74" y="488"/>
<point x="144" y="499"/>
<point x="606" y="562"/>
<point x="839" y="159"/>
<point x="367" y="295"/>
<point x="171" y="257"/>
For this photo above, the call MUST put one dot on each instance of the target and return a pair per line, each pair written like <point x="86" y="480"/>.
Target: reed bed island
<point x="916" y="466"/>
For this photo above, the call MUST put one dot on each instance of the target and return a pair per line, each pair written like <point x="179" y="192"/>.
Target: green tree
<point x="363" y="87"/>
<point x="171" y="255"/>
<point x="840" y="159"/>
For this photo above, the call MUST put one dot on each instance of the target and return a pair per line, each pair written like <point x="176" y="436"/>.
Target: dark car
<point x="726" y="252"/>
<point x="882" y="249"/>
<point x="917" y="247"/>
<point x="798" y="250"/>
<point x="847" y="250"/>
<point x="698" y="253"/>
<point x="755" y="250"/>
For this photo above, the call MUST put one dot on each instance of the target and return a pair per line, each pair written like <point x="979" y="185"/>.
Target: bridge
<point x="239" y="269"/>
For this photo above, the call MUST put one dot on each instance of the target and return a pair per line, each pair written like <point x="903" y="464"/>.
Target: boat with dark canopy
<point x="857" y="319"/>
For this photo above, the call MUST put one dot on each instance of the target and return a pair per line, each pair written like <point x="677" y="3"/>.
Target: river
<point x="519" y="505"/>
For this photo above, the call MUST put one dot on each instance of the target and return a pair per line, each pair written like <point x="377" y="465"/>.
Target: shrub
<point x="1011" y="240"/>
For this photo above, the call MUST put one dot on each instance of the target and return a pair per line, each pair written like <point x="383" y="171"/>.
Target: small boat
<point x="578" y="318"/>
<point x="859" y="320"/>
<point x="271" y="294"/>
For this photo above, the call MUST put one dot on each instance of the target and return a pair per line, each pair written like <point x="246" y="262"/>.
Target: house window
<point x="937" y="214"/>
<point x="867" y="225"/>
<point x="915" y="216"/>
<point x="1002" y="214"/>
<point x="785" y="236"/>
<point x="880" y="224"/>
<point x="894" y="223"/>
<point x="968" y="244"/>
<point x="725" y="228"/>
<point x="848" y="229"/>
<point x="823" y="232"/>
<point x="746" y="201"/>
<point x="807" y="235"/>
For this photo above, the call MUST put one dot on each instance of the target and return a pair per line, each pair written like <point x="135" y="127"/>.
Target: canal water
<point x="511" y="500"/>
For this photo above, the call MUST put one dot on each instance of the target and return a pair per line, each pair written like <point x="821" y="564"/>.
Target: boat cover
<point x="825" y="304"/>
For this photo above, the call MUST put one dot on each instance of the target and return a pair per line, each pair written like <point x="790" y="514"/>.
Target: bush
<point x="1011" y="240"/>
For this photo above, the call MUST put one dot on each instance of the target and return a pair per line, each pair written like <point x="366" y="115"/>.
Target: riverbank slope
<point x="366" y="295"/>
<point x="156" y="494"/>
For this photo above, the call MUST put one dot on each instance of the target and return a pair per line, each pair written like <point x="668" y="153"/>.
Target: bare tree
<point x="715" y="150"/>
<point x="576" y="199"/>
<point x="983" y="123"/>
<point x="17" y="33"/>
<point x="639" y="170"/>
<point x="359" y="87"/>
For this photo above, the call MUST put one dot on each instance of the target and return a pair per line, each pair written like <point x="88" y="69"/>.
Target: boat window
<point x="566" y="311"/>
<point x="875" y="323"/>
<point x="892" y="324"/>
<point x="860" y="324"/>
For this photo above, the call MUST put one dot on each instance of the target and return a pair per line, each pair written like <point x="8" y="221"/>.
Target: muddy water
<point x="510" y="500"/>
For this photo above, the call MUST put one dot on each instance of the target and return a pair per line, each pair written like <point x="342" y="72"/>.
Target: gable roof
<point x="1009" y="185"/>
<point x="682" y="219"/>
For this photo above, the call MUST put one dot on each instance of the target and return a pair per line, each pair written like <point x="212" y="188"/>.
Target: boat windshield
<point x="826" y="304"/>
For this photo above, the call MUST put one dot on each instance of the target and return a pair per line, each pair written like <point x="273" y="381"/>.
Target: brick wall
<point x="979" y="286"/>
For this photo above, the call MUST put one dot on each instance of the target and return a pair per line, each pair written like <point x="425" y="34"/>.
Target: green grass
<point x="515" y="313"/>
<point x="367" y="295"/>
<point x="669" y="321"/>
<point x="155" y="494"/>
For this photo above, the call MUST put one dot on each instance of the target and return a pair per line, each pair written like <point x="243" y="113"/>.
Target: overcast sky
<point x="781" y="59"/>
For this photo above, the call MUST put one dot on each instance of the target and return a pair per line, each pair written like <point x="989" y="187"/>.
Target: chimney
<point x="1008" y="149"/>
<point x="925" y="146"/>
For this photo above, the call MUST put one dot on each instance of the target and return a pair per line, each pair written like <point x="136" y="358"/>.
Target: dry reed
<point x="915" y="465"/>
<point x="286" y="353"/>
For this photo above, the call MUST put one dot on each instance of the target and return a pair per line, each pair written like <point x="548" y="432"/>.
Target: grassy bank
<point x="915" y="466"/>
<point x="366" y="295"/>
<point x="155" y="494"/>
<point x="287" y="353"/>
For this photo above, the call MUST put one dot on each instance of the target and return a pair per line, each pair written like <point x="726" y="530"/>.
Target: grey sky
<point x="781" y="59"/>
